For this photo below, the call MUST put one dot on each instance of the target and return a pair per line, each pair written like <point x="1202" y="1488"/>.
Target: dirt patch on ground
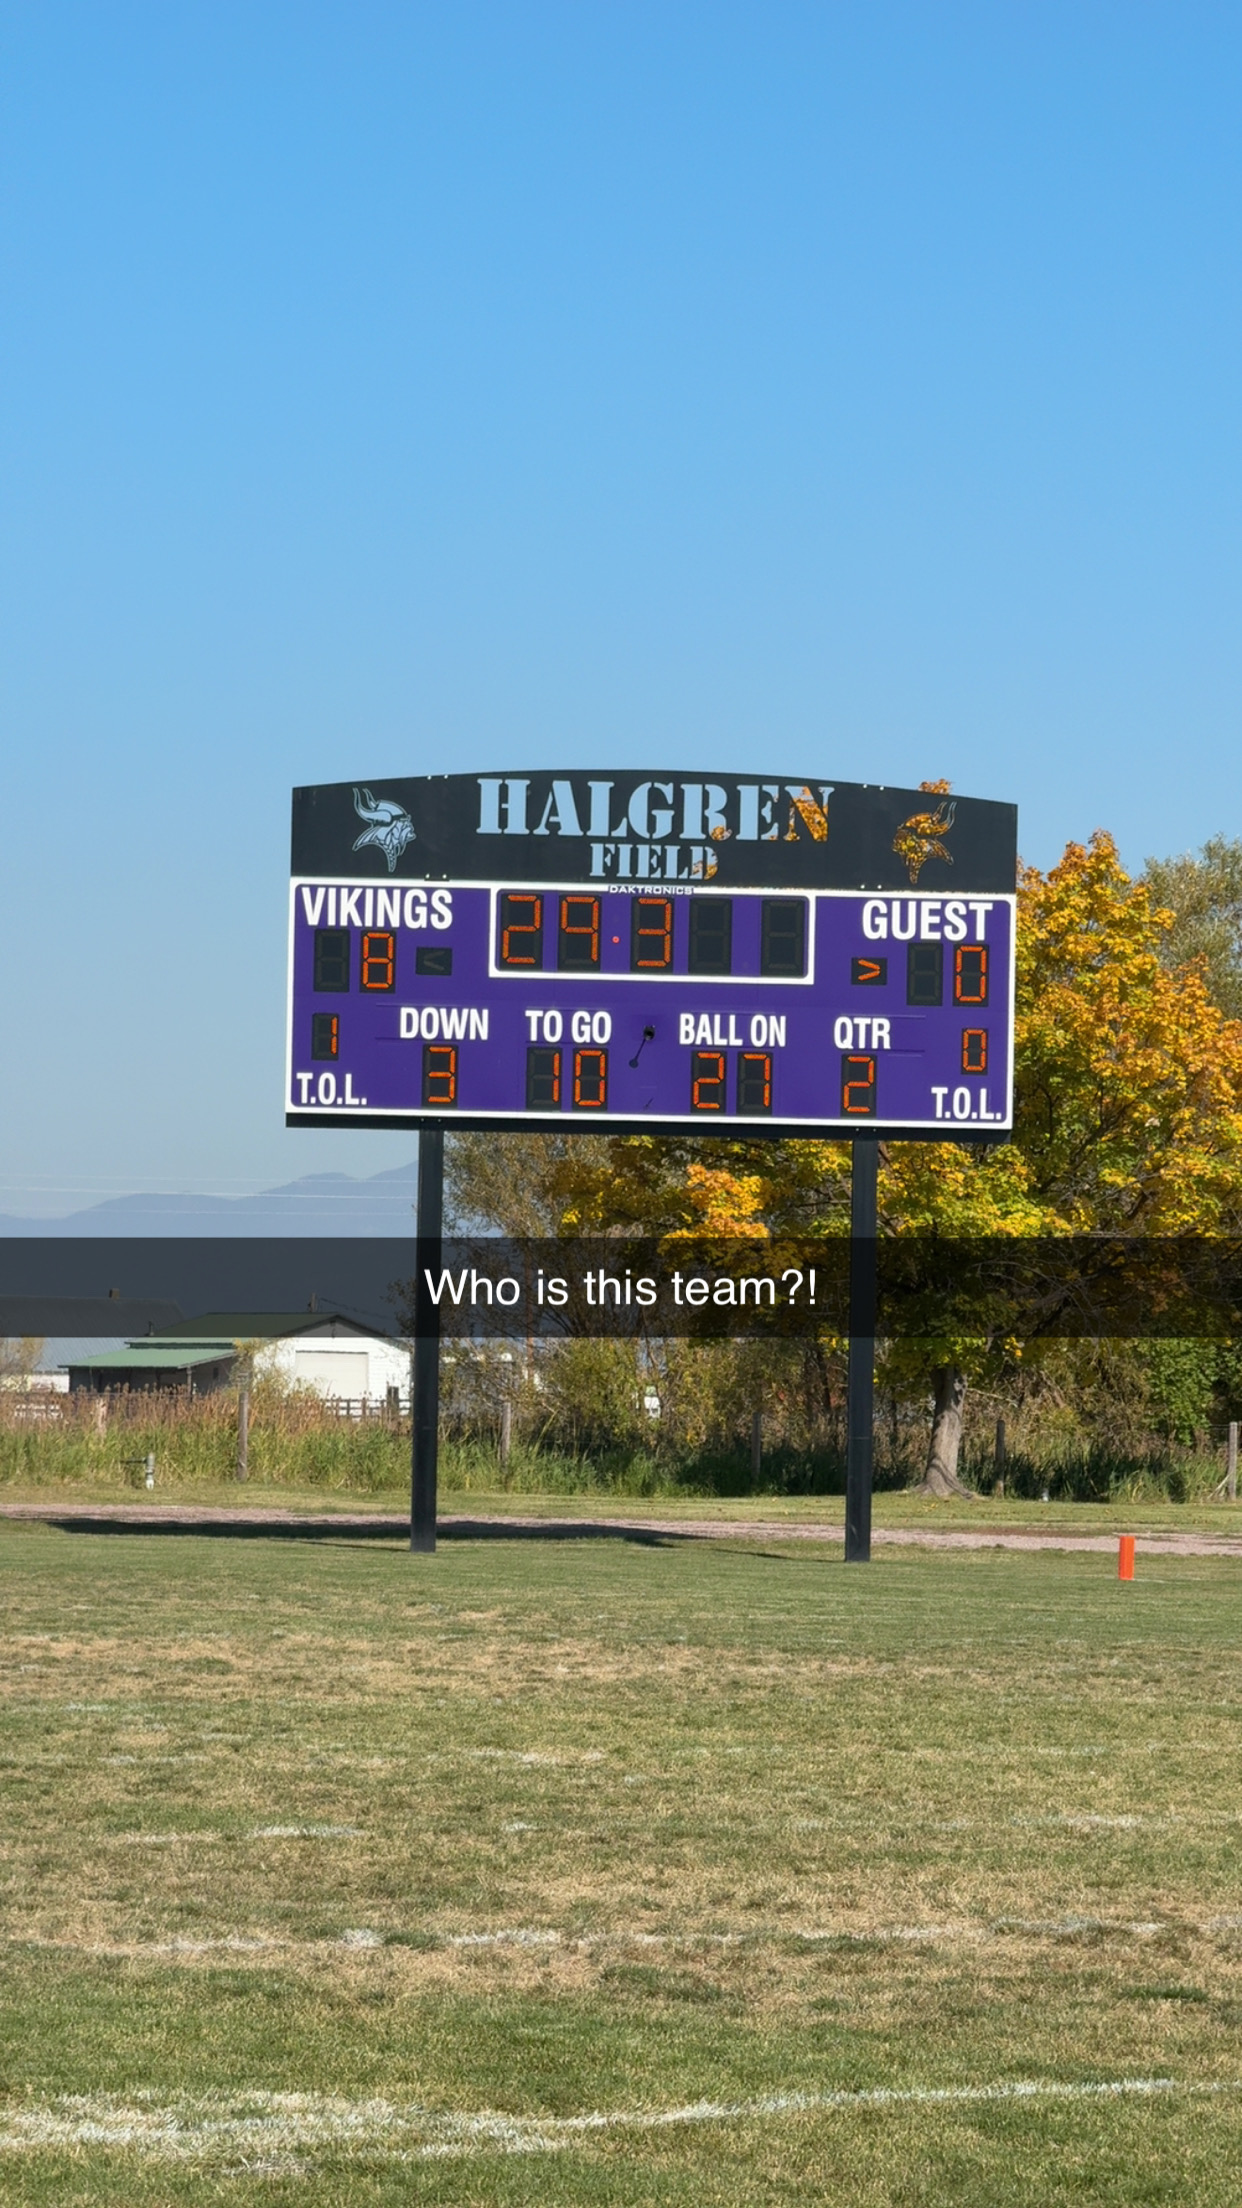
<point x="388" y="1526"/>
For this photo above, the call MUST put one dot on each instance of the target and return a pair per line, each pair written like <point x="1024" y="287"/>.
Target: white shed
<point x="337" y="1357"/>
<point x="340" y="1358"/>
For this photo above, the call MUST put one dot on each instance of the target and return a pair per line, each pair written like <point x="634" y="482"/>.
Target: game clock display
<point x="546" y="1006"/>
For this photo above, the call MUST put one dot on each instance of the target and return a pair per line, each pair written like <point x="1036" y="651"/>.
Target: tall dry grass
<point x="296" y="1440"/>
<point x="579" y="1426"/>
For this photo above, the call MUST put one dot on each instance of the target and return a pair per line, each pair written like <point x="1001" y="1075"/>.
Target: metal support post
<point x="425" y="1419"/>
<point x="860" y="1412"/>
<point x="1231" y="1463"/>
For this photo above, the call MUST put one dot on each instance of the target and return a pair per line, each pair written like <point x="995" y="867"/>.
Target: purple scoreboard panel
<point x="651" y="951"/>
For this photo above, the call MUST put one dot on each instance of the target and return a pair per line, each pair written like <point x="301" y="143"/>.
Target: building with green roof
<point x="325" y="1351"/>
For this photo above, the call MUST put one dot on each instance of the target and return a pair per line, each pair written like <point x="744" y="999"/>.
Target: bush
<point x="581" y="1422"/>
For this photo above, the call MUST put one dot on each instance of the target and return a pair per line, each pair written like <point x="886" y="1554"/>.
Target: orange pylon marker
<point x="1125" y="1556"/>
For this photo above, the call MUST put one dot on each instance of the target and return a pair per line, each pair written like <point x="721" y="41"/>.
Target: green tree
<point x="19" y="1357"/>
<point x="515" y="1184"/>
<point x="1203" y="894"/>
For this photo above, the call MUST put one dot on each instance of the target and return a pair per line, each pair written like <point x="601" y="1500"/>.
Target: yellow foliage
<point x="726" y="1204"/>
<point x="1129" y="1078"/>
<point x="1128" y="1107"/>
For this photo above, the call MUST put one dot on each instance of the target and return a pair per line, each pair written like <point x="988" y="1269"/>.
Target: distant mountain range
<point x="318" y="1204"/>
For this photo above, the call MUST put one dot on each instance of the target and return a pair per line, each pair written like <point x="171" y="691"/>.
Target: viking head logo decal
<point x="919" y="838"/>
<point x="389" y="826"/>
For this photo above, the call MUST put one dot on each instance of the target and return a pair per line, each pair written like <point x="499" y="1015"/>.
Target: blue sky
<point x="841" y="388"/>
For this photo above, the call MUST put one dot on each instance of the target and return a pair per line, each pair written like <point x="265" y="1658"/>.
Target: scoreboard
<point x="704" y="960"/>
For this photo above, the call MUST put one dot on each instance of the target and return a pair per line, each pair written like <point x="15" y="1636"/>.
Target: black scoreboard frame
<point x="518" y="832"/>
<point x="593" y="826"/>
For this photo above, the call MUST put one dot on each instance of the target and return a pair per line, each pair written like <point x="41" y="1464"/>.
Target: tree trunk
<point x="941" y="1477"/>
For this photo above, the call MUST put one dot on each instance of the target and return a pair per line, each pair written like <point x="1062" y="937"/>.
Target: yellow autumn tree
<point x="1129" y="1078"/>
<point x="1128" y="1121"/>
<point x="1128" y="1103"/>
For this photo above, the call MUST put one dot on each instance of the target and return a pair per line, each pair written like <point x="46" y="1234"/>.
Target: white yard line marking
<point x="1059" y="1927"/>
<point x="624" y="1936"/>
<point x="520" y="1938"/>
<point x="157" y="1839"/>
<point x="256" y="1832"/>
<point x="273" y="2124"/>
<point x="914" y="1932"/>
<point x="995" y="1928"/>
<point x="304" y="1832"/>
<point x="522" y="1755"/>
<point x="235" y="1942"/>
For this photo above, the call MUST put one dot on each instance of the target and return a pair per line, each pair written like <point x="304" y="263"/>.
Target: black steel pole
<point x="861" y="1392"/>
<point x="425" y="1409"/>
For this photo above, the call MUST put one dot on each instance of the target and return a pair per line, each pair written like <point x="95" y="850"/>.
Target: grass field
<point x="333" y="1875"/>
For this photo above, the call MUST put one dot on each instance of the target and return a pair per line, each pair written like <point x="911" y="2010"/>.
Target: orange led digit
<point x="707" y="1081"/>
<point x="970" y="974"/>
<point x="651" y="939"/>
<point x="543" y="1078"/>
<point x="974" y="1050"/>
<point x="857" y="1086"/>
<point x="591" y="1080"/>
<point x="440" y="1073"/>
<point x="521" y="928"/>
<point x="379" y="961"/>
<point x="754" y="1081"/>
<point x="577" y="949"/>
